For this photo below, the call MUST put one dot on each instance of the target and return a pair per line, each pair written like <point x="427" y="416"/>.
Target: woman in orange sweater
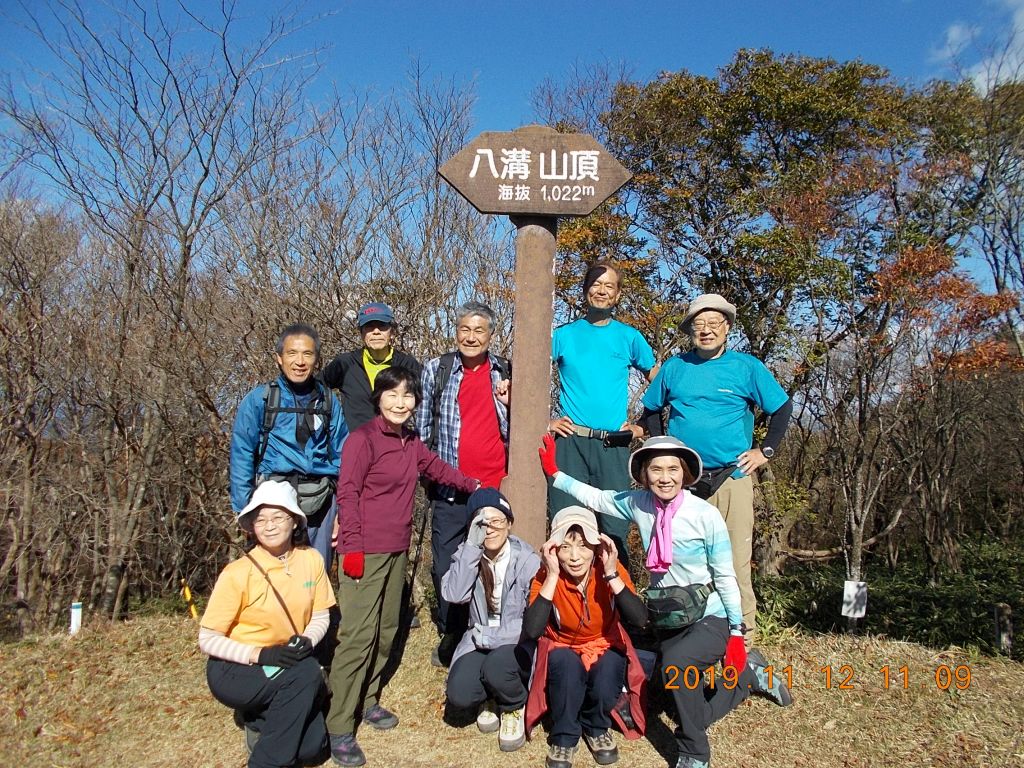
<point x="584" y="656"/>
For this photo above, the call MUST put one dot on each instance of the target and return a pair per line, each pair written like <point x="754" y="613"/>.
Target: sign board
<point x="535" y="170"/>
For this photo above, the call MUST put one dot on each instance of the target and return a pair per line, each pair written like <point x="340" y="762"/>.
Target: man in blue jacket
<point x="292" y="428"/>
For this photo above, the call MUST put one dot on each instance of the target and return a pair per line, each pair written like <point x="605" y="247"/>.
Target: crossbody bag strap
<point x="273" y="589"/>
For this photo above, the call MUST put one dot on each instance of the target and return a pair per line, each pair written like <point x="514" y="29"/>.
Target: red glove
<point x="352" y="565"/>
<point x="547" y="456"/>
<point x="735" y="654"/>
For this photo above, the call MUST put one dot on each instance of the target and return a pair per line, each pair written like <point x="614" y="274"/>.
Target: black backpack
<point x="444" y="373"/>
<point x="323" y="406"/>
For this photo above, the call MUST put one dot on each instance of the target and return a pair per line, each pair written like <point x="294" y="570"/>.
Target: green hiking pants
<point x="370" y="610"/>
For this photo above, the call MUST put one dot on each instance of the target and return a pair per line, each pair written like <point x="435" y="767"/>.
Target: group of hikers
<point x="558" y="635"/>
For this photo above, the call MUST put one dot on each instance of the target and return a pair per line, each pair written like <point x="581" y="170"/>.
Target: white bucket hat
<point x="570" y="516"/>
<point x="274" y="493"/>
<point x="710" y="301"/>
<point x="664" y="444"/>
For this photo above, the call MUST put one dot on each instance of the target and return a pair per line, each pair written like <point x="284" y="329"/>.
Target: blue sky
<point x="505" y="48"/>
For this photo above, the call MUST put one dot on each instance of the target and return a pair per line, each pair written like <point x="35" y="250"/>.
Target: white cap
<point x="274" y="493"/>
<point x="570" y="516"/>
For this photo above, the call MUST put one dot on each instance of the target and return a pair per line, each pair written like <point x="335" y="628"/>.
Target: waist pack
<point x="618" y="439"/>
<point x="711" y="481"/>
<point x="314" y="492"/>
<point x="677" y="607"/>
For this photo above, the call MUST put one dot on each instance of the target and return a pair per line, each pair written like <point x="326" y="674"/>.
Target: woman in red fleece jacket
<point x="381" y="463"/>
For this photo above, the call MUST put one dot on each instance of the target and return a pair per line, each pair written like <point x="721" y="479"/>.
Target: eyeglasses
<point x="711" y="325"/>
<point x="277" y="520"/>
<point x="497" y="524"/>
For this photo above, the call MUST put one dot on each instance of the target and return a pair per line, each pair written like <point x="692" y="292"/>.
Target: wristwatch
<point x="742" y="628"/>
<point x="768" y="451"/>
<point x="610" y="576"/>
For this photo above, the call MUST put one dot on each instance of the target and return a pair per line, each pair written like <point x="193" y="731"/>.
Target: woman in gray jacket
<point x="492" y="571"/>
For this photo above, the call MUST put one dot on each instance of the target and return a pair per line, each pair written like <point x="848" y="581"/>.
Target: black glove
<point x="302" y="644"/>
<point x="285" y="656"/>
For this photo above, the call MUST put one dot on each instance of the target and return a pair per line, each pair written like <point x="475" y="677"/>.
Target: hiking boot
<point x="346" y="751"/>
<point x="487" y="719"/>
<point x="778" y="693"/>
<point x="380" y="718"/>
<point x="251" y="736"/>
<point x="513" y="731"/>
<point x="692" y="762"/>
<point x="442" y="655"/>
<point x="602" y="747"/>
<point x="560" y="757"/>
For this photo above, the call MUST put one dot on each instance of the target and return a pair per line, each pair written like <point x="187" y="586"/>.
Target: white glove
<point x="477" y="635"/>
<point x="477" y="531"/>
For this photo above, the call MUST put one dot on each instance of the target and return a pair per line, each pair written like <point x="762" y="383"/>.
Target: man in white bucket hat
<point x="712" y="393"/>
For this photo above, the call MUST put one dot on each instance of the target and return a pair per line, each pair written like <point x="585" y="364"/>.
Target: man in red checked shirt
<point x="463" y="416"/>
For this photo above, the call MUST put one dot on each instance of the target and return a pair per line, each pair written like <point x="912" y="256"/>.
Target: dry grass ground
<point x="135" y="695"/>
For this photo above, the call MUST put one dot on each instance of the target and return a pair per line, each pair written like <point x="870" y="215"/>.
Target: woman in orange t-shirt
<point x="584" y="657"/>
<point x="268" y="610"/>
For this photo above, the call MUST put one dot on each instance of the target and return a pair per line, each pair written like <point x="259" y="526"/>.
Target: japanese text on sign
<point x="534" y="170"/>
<point x="575" y="165"/>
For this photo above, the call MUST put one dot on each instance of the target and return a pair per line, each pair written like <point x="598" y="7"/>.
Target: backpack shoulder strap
<point x="326" y="409"/>
<point x="271" y="407"/>
<point x="503" y="366"/>
<point x="441" y="378"/>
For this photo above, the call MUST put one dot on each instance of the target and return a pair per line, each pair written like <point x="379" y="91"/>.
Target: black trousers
<point x="590" y="462"/>
<point x="285" y="709"/>
<point x="581" y="700"/>
<point x="700" y="646"/>
<point x="500" y="674"/>
<point x="447" y="531"/>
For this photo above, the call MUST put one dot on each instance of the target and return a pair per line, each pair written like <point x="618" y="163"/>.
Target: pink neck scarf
<point x="659" y="555"/>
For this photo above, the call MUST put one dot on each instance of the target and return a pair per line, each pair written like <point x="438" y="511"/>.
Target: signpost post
<point x="534" y="175"/>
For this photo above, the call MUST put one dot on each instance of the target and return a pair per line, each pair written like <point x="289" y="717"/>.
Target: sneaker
<point x="692" y="762"/>
<point x="778" y="693"/>
<point x="380" y="718"/>
<point x="513" y="731"/>
<point x="560" y="757"/>
<point x="602" y="747"/>
<point x="346" y="751"/>
<point x="487" y="719"/>
<point x="624" y="712"/>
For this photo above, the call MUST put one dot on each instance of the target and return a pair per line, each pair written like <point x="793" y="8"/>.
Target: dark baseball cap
<point x="488" y="497"/>
<point x="375" y="312"/>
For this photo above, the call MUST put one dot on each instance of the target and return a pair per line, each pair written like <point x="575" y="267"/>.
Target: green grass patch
<point x="902" y="605"/>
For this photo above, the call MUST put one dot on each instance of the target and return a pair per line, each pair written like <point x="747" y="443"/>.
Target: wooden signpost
<point x="534" y="175"/>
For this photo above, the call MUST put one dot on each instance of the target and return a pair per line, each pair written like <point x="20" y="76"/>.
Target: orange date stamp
<point x="842" y="677"/>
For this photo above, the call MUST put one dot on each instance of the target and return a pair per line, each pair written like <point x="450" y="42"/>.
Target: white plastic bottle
<point x="76" y="618"/>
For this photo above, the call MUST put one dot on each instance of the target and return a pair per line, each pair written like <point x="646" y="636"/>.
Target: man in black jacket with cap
<point x="353" y="373"/>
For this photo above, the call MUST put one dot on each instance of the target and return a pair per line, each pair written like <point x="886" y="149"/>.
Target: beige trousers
<point x="735" y="500"/>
